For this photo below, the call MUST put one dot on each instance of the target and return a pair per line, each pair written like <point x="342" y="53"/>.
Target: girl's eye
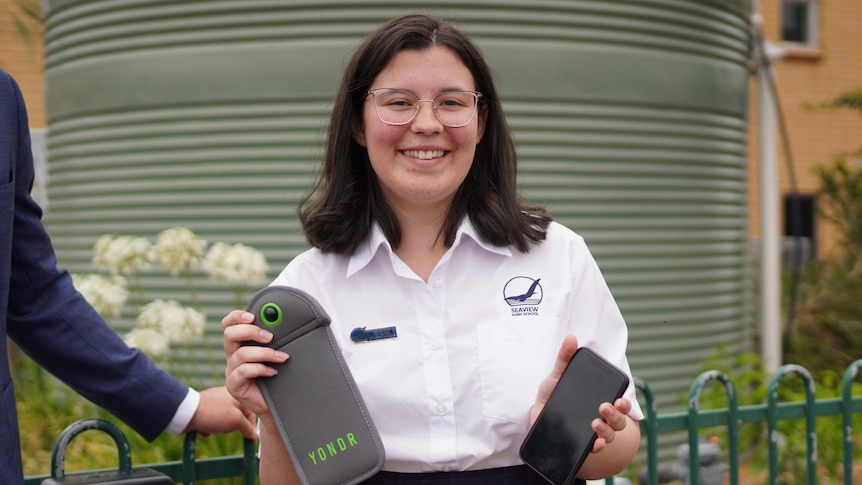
<point x="399" y="102"/>
<point x="450" y="102"/>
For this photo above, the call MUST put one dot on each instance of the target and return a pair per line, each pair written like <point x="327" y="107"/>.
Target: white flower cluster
<point x="162" y="323"/>
<point x="123" y="255"/>
<point x="149" y="340"/>
<point x="236" y="264"/>
<point x="178" y="249"/>
<point x="105" y="293"/>
<point x="175" y="322"/>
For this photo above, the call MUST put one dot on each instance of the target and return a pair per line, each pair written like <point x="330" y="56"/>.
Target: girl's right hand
<point x="245" y="363"/>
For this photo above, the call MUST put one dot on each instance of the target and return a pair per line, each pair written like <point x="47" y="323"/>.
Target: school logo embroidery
<point x="523" y="294"/>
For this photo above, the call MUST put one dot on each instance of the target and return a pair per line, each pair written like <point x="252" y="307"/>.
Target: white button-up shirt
<point x="454" y="389"/>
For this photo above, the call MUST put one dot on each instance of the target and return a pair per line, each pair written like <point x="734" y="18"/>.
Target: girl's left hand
<point x="615" y="414"/>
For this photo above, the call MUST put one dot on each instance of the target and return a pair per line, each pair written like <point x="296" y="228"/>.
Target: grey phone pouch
<point x="320" y="414"/>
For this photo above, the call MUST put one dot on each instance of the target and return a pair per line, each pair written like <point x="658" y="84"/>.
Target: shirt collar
<point x="377" y="240"/>
<point x="366" y="251"/>
<point x="467" y="230"/>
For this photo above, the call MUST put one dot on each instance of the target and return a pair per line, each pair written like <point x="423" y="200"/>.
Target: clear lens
<point x="397" y="107"/>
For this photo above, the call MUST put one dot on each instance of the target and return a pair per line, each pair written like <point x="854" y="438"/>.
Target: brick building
<point x="23" y="58"/>
<point x="818" y="44"/>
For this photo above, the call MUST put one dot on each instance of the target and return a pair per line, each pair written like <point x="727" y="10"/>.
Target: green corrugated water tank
<point x="630" y="118"/>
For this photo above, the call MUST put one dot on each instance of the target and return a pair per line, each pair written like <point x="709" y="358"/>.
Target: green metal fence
<point x="187" y="471"/>
<point x="693" y="420"/>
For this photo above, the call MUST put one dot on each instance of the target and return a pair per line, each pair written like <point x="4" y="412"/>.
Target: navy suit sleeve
<point x="50" y="321"/>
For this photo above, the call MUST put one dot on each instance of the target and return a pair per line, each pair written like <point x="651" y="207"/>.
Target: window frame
<point x="812" y="24"/>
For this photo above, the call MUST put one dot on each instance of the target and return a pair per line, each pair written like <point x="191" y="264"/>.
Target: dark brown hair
<point x="338" y="213"/>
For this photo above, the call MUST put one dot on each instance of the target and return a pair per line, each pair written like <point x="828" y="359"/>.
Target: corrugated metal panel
<point x="630" y="118"/>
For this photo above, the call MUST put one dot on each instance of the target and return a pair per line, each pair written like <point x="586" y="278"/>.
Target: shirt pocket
<point x="514" y="357"/>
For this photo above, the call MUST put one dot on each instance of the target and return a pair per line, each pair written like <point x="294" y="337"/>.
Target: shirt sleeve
<point x="53" y="323"/>
<point x="184" y="413"/>
<point x="598" y="321"/>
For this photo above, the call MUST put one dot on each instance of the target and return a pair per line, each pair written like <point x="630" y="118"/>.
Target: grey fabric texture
<point x="320" y="413"/>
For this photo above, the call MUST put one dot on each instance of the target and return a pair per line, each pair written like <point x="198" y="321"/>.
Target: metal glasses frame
<point x="476" y="96"/>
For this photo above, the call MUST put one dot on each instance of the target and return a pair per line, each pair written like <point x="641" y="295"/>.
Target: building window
<point x="799" y="22"/>
<point x="800" y="233"/>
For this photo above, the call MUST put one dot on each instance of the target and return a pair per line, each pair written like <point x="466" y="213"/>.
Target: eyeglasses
<point x="398" y="107"/>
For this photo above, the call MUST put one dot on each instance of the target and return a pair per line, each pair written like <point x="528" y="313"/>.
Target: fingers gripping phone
<point x="562" y="436"/>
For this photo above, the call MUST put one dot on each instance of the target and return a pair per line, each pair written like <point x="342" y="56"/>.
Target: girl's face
<point x="421" y="164"/>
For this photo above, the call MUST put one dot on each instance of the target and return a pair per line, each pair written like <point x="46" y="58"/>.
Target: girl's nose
<point x="426" y="119"/>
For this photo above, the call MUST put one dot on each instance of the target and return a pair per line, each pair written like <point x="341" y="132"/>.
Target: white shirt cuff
<point x="184" y="413"/>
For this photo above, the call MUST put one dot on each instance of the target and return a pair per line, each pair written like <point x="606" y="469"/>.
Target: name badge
<point x="363" y="334"/>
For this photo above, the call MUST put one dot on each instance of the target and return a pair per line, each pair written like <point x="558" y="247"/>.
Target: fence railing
<point x="693" y="420"/>
<point x="188" y="471"/>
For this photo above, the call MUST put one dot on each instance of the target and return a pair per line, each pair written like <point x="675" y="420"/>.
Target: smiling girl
<point x="416" y="224"/>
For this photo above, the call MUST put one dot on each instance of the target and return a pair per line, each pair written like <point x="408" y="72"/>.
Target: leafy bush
<point x="751" y="384"/>
<point x="825" y="339"/>
<point x="46" y="406"/>
<point x="827" y="333"/>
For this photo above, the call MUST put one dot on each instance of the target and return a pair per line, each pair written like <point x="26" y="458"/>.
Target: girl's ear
<point x="483" y="118"/>
<point x="358" y="130"/>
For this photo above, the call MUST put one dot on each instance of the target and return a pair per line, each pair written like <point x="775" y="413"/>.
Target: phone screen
<point x="562" y="436"/>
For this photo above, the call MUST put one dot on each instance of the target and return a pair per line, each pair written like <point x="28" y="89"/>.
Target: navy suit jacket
<point x="50" y="321"/>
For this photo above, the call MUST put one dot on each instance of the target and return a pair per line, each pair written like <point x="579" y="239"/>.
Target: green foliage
<point x="24" y="15"/>
<point x="841" y="193"/>
<point x="850" y="99"/>
<point x="30" y="9"/>
<point x="46" y="407"/>
<point x="751" y="384"/>
<point x="826" y="338"/>
<point x="827" y="331"/>
<point x="841" y="184"/>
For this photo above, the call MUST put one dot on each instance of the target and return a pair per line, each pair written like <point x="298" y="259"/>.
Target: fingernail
<point x="281" y="355"/>
<point x="247" y="317"/>
<point x="266" y="335"/>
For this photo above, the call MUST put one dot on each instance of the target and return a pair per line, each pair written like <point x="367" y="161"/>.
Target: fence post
<point x="810" y="422"/>
<point x="250" y="461"/>
<point x="58" y="457"/>
<point x="650" y="427"/>
<point x="846" y="400"/>
<point x="189" y="458"/>
<point x="732" y="425"/>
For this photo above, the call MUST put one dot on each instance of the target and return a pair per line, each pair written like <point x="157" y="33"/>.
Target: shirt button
<point x="434" y="345"/>
<point x="447" y="469"/>
<point x="441" y="410"/>
<point x="437" y="283"/>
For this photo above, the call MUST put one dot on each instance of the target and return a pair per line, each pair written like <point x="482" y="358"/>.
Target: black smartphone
<point x="562" y="436"/>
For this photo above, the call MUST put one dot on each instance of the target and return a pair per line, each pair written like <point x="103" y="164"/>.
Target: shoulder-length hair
<point x="339" y="210"/>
